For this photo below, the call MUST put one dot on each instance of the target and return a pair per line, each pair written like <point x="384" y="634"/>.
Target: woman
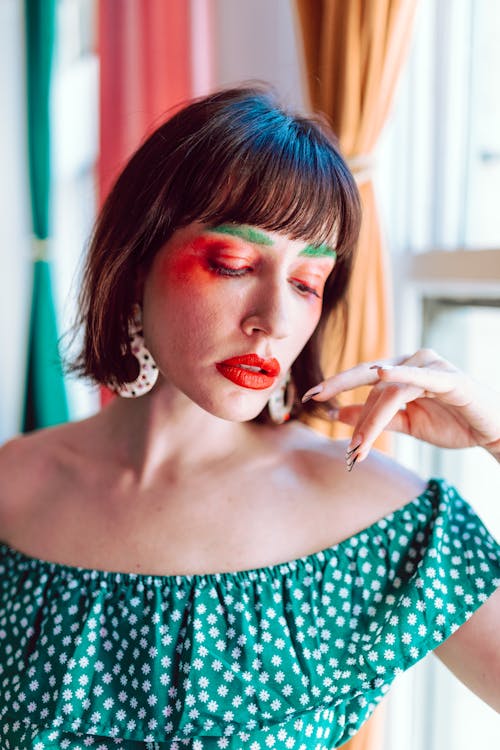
<point x="193" y="566"/>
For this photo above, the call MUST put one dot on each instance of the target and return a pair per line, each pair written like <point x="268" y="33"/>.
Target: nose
<point x="268" y="313"/>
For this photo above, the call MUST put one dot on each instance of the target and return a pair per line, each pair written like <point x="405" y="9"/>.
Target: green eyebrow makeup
<point x="253" y="235"/>
<point x="246" y="233"/>
<point x="319" y="251"/>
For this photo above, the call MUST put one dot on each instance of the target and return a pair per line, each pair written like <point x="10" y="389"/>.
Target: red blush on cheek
<point x="185" y="268"/>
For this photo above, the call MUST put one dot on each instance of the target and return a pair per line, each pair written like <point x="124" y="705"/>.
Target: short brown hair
<point x="234" y="156"/>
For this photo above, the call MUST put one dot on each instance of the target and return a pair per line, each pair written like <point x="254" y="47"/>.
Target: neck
<point x="165" y="430"/>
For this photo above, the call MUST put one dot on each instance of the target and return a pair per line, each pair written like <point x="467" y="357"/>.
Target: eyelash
<point x="225" y="271"/>
<point x="235" y="272"/>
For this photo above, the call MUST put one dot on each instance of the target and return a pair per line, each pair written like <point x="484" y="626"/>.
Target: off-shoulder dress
<point x="293" y="655"/>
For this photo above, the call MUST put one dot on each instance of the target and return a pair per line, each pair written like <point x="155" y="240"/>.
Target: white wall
<point x="258" y="40"/>
<point x="15" y="262"/>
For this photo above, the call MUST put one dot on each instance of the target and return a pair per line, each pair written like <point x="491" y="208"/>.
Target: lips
<point x="250" y="371"/>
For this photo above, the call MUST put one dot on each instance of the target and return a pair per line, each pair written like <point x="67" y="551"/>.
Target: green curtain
<point x="45" y="401"/>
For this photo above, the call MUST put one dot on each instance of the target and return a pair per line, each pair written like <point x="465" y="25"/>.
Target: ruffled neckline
<point x="258" y="573"/>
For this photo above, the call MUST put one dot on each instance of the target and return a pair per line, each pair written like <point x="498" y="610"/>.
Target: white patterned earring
<point x="148" y="370"/>
<point x="281" y="400"/>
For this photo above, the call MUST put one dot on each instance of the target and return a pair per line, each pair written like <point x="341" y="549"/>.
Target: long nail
<point x="350" y="466"/>
<point x="348" y="453"/>
<point x="311" y="392"/>
<point x="351" y="448"/>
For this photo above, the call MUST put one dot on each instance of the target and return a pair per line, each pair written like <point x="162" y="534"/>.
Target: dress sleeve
<point x="443" y="567"/>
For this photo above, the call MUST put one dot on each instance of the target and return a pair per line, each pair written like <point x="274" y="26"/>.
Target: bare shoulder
<point x="28" y="467"/>
<point x="375" y="487"/>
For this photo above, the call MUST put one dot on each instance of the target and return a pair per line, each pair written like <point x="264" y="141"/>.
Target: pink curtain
<point x="148" y="68"/>
<point x="145" y="58"/>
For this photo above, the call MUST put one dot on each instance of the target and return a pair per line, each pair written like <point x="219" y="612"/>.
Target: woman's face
<point x="227" y="309"/>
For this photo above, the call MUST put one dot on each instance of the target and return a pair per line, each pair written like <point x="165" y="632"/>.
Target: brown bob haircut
<point x="234" y="156"/>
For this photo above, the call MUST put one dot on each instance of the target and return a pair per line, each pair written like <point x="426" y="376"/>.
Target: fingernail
<point x="354" y="444"/>
<point x="350" y="465"/>
<point x="311" y="392"/>
<point x="350" y="453"/>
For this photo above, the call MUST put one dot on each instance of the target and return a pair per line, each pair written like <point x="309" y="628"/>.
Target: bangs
<point x="233" y="156"/>
<point x="269" y="170"/>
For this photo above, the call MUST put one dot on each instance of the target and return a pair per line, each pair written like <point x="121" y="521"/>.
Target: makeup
<point x="259" y="238"/>
<point x="205" y="259"/>
<point x="250" y="371"/>
<point x="245" y="233"/>
<point x="319" y="251"/>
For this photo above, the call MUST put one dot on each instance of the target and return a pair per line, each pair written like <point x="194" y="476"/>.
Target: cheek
<point x="191" y="292"/>
<point x="181" y="271"/>
<point x="308" y="322"/>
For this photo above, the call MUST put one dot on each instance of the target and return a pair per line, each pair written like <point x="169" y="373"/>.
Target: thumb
<point x="346" y="414"/>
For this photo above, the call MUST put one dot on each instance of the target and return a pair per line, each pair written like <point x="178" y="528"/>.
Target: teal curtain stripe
<point x="45" y="402"/>
<point x="40" y="33"/>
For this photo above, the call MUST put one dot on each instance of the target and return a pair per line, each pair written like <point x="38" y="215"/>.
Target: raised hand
<point x="422" y="395"/>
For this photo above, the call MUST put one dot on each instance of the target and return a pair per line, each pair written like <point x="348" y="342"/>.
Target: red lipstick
<point x="250" y="371"/>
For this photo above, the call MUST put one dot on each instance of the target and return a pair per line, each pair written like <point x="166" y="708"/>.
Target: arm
<point x="472" y="653"/>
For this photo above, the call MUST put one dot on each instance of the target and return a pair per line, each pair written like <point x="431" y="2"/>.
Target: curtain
<point x="353" y="53"/>
<point x="145" y="73"/>
<point x="45" y="401"/>
<point x="144" y="51"/>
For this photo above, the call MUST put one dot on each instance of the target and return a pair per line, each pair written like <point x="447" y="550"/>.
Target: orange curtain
<point x="353" y="53"/>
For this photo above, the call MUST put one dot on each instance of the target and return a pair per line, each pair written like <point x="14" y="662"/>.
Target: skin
<point x="422" y="395"/>
<point x="251" y="296"/>
<point x="154" y="484"/>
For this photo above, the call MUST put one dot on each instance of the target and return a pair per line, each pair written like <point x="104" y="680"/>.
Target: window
<point x="75" y="143"/>
<point x="438" y="181"/>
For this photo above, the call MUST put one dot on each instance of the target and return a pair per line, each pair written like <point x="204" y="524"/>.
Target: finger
<point x="348" y="379"/>
<point x="369" y="407"/>
<point x="386" y="411"/>
<point x="346" y="414"/>
<point x="362" y="374"/>
<point x="351" y="414"/>
<point x="432" y="381"/>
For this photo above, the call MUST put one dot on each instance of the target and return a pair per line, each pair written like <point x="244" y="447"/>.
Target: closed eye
<point x="304" y="289"/>
<point x="227" y="270"/>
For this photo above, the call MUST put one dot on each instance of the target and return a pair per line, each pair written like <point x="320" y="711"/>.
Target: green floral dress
<point x="294" y="655"/>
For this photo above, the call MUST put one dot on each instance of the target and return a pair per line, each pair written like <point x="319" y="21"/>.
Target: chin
<point x="236" y="408"/>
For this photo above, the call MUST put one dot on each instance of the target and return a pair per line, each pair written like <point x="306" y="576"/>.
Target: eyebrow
<point x="246" y="233"/>
<point x="319" y="251"/>
<point x="259" y="238"/>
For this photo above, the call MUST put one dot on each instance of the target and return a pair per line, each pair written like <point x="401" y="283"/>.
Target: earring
<point x="148" y="370"/>
<point x="281" y="401"/>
